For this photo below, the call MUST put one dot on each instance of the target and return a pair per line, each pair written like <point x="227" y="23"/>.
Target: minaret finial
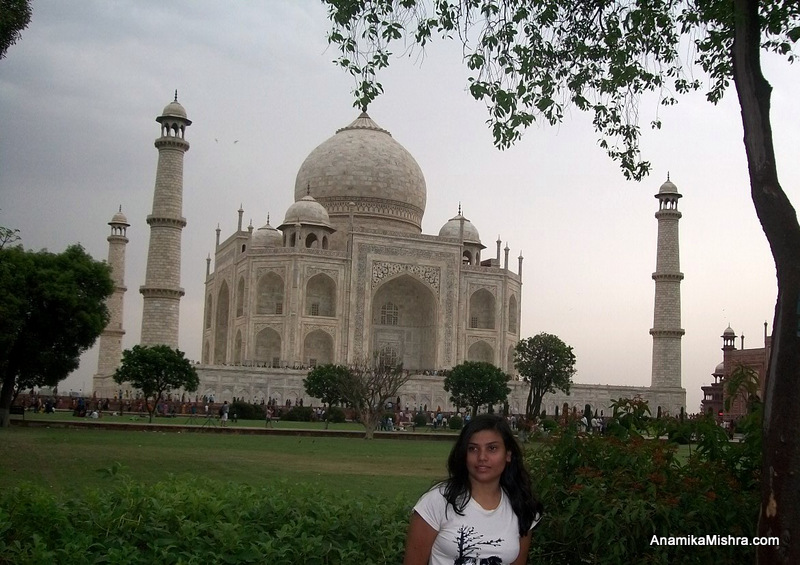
<point x="120" y="207"/>
<point x="667" y="176"/>
<point x="267" y="218"/>
<point x="308" y="189"/>
<point x="459" y="207"/>
<point x="176" y="95"/>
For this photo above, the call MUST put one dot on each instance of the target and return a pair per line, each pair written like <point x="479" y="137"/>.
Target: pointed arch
<point x="513" y="315"/>
<point x="318" y="348"/>
<point x="481" y="310"/>
<point x="405" y="316"/>
<point x="240" y="298"/>
<point x="320" y="296"/>
<point x="481" y="351"/>
<point x="268" y="348"/>
<point x="269" y="294"/>
<point x="221" y="330"/>
<point x="209" y="311"/>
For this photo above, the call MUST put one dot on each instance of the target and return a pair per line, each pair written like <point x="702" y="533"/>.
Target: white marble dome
<point x="119" y="218"/>
<point x="362" y="164"/>
<point x="174" y="109"/>
<point x="306" y="211"/>
<point x="668" y="188"/>
<point x="453" y="227"/>
<point x="266" y="236"/>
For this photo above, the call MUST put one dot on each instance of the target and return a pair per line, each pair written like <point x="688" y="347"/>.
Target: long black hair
<point x="515" y="480"/>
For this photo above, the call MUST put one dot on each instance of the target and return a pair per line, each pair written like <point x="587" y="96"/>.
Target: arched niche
<point x="513" y="314"/>
<point x="415" y="333"/>
<point x="318" y="348"/>
<point x="269" y="294"/>
<point x="480" y="351"/>
<point x="320" y="296"/>
<point x="481" y="310"/>
<point x="268" y="348"/>
<point x="221" y="331"/>
<point x="240" y="297"/>
<point x="209" y="311"/>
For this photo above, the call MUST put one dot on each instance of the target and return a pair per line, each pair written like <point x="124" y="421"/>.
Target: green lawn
<point x="67" y="460"/>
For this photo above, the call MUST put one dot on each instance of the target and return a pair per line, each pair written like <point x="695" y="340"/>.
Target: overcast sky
<point x="80" y="92"/>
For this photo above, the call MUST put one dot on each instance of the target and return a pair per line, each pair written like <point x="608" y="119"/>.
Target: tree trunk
<point x="6" y="397"/>
<point x="780" y="477"/>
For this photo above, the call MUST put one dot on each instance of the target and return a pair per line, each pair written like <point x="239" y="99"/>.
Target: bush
<point x="336" y="415"/>
<point x="420" y="420"/>
<point x="298" y="414"/>
<point x="621" y="493"/>
<point x="549" y="425"/>
<point x="455" y="422"/>
<point x="247" y="411"/>
<point x="199" y="521"/>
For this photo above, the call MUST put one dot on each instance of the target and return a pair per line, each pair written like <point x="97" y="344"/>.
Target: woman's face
<point x="486" y="456"/>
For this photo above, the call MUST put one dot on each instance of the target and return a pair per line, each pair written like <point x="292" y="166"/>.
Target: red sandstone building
<point x="714" y="395"/>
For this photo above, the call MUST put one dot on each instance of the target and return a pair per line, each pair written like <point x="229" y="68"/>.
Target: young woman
<point x="484" y="513"/>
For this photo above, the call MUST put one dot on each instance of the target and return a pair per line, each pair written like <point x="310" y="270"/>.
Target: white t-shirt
<point x="479" y="537"/>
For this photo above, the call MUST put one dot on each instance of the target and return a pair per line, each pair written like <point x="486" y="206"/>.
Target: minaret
<point x="110" y="352"/>
<point x="667" y="331"/>
<point x="162" y="291"/>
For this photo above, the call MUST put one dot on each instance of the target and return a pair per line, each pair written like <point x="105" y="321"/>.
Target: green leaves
<point x="530" y="60"/>
<point x="476" y="383"/>
<point x="155" y="370"/>
<point x="547" y="364"/>
<point x="199" y="521"/>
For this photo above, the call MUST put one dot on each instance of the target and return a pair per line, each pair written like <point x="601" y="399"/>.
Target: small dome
<point x="720" y="370"/>
<point x="306" y="211"/>
<point x="668" y="188"/>
<point x="174" y="110"/>
<point x="729" y="332"/>
<point x="119" y="218"/>
<point x="453" y="227"/>
<point x="266" y="236"/>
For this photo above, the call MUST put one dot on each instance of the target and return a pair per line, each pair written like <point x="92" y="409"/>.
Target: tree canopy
<point x="155" y="370"/>
<point x="476" y="383"/>
<point x="52" y="309"/>
<point x="547" y="364"/>
<point x="532" y="60"/>
<point x="325" y="382"/>
<point x="15" y="15"/>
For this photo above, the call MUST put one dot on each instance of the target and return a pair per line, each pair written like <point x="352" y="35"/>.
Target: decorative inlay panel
<point x="382" y="270"/>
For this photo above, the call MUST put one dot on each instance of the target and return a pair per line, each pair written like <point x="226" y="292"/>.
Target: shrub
<point x="549" y="425"/>
<point x="621" y="493"/>
<point x="199" y="521"/>
<point x="298" y="414"/>
<point x="336" y="415"/>
<point x="420" y="420"/>
<point x="247" y="411"/>
<point x="455" y="422"/>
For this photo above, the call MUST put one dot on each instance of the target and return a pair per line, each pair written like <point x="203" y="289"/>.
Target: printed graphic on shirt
<point x="468" y="543"/>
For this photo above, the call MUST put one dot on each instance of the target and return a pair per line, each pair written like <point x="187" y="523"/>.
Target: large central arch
<point x="412" y="332"/>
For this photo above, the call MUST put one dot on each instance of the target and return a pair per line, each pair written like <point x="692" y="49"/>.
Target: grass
<point x="69" y="460"/>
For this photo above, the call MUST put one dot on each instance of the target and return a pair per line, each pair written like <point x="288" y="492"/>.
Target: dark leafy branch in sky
<point x="15" y="15"/>
<point x="532" y="61"/>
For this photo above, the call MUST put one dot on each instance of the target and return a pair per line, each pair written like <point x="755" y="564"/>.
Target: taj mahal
<point x="347" y="275"/>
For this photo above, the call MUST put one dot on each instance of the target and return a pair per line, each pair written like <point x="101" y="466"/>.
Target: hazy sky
<point x="80" y="92"/>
